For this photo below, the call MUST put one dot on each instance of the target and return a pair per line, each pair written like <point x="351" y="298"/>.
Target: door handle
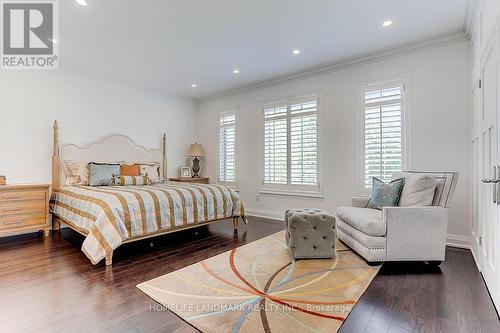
<point x="497" y="192"/>
<point x="495" y="184"/>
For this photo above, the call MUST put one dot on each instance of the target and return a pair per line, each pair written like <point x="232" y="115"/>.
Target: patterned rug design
<point x="258" y="288"/>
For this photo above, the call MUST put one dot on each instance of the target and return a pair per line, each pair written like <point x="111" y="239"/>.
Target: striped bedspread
<point x="109" y="215"/>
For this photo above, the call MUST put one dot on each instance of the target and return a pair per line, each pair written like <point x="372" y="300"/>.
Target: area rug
<point x="258" y="288"/>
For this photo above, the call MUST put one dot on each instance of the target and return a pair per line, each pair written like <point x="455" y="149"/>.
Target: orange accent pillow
<point x="130" y="170"/>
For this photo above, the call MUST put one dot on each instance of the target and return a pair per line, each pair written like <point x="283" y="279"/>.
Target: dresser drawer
<point x="13" y="207"/>
<point x="24" y="208"/>
<point x="22" y="221"/>
<point x="6" y="196"/>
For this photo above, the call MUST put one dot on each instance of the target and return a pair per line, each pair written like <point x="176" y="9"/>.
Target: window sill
<point x="291" y="193"/>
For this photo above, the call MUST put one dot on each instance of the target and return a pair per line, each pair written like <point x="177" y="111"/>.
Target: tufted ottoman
<point x="310" y="233"/>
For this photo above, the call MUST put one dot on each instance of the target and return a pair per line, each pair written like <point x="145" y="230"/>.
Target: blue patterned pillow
<point x="385" y="195"/>
<point x="101" y="174"/>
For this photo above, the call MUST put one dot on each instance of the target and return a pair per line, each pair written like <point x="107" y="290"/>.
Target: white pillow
<point x="76" y="172"/>
<point x="418" y="190"/>
<point x="152" y="170"/>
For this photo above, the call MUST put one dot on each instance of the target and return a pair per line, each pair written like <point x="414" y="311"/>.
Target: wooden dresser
<point x="24" y="208"/>
<point x="200" y="180"/>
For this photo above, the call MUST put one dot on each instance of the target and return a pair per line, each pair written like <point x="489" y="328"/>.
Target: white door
<point x="489" y="170"/>
<point x="476" y="190"/>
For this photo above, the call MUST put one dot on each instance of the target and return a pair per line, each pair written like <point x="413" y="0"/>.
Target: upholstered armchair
<point x="409" y="233"/>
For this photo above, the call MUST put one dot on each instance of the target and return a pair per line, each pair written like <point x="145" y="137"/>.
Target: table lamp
<point x="196" y="151"/>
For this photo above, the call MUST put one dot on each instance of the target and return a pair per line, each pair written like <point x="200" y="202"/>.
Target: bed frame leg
<point x="56" y="225"/>
<point x="235" y="224"/>
<point x="109" y="259"/>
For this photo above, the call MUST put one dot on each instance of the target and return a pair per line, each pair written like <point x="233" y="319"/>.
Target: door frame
<point x="492" y="48"/>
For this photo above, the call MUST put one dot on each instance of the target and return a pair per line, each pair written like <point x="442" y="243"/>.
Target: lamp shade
<point x="196" y="150"/>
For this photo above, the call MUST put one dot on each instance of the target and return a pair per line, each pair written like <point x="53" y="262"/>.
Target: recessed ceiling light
<point x="82" y="2"/>
<point x="296" y="52"/>
<point x="53" y="40"/>
<point x="387" y="23"/>
<point x="194" y="85"/>
<point x="236" y="71"/>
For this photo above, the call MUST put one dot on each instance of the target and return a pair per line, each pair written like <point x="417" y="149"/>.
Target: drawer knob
<point x="5" y="196"/>
<point x="12" y="223"/>
<point x="12" y="209"/>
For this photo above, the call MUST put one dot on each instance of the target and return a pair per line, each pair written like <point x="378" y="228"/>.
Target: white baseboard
<point x="463" y="242"/>
<point x="475" y="259"/>
<point x="266" y="214"/>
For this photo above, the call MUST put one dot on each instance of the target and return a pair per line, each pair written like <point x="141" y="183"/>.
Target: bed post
<point x="235" y="224"/>
<point x="164" y="153"/>
<point x="109" y="259"/>
<point x="56" y="170"/>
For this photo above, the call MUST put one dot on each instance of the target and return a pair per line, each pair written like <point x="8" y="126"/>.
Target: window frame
<point x="219" y="115"/>
<point x="310" y="191"/>
<point x="404" y="81"/>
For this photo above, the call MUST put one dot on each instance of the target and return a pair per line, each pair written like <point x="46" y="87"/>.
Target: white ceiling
<point x="166" y="45"/>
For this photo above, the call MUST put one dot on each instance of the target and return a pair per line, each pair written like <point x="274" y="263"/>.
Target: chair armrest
<point x="416" y="232"/>
<point x="360" y="202"/>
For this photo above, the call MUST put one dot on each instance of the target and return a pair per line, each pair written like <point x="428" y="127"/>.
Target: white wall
<point x="87" y="109"/>
<point x="440" y="112"/>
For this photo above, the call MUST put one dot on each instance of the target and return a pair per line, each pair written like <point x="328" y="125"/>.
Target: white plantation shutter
<point x="383" y="132"/>
<point x="291" y="143"/>
<point x="276" y="145"/>
<point x="304" y="143"/>
<point x="227" y="148"/>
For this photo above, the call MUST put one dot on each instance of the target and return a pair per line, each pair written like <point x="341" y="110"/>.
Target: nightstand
<point x="200" y="180"/>
<point x="24" y="208"/>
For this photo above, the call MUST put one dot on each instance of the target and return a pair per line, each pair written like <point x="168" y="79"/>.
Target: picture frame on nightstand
<point x="184" y="172"/>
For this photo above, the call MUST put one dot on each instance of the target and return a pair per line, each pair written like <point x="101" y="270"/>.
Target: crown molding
<point x="471" y="16"/>
<point x="76" y="70"/>
<point x="450" y="38"/>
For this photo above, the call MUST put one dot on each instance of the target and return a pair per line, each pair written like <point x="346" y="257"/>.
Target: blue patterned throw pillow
<point x="101" y="174"/>
<point x="385" y="195"/>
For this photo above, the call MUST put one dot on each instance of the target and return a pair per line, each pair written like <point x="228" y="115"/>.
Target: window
<point x="383" y="131"/>
<point x="227" y="148"/>
<point x="291" y="144"/>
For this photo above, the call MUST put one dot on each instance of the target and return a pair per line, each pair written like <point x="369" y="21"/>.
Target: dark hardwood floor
<point x="50" y="286"/>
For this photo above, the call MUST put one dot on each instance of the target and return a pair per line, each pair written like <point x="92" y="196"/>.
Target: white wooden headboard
<point x="113" y="148"/>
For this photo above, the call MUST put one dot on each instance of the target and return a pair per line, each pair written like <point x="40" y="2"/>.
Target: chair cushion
<point x="368" y="241"/>
<point x="440" y="182"/>
<point x="446" y="182"/>
<point x="418" y="190"/>
<point x="365" y="220"/>
<point x="385" y="195"/>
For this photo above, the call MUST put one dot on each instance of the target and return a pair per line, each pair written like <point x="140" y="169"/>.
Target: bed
<point x="109" y="216"/>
